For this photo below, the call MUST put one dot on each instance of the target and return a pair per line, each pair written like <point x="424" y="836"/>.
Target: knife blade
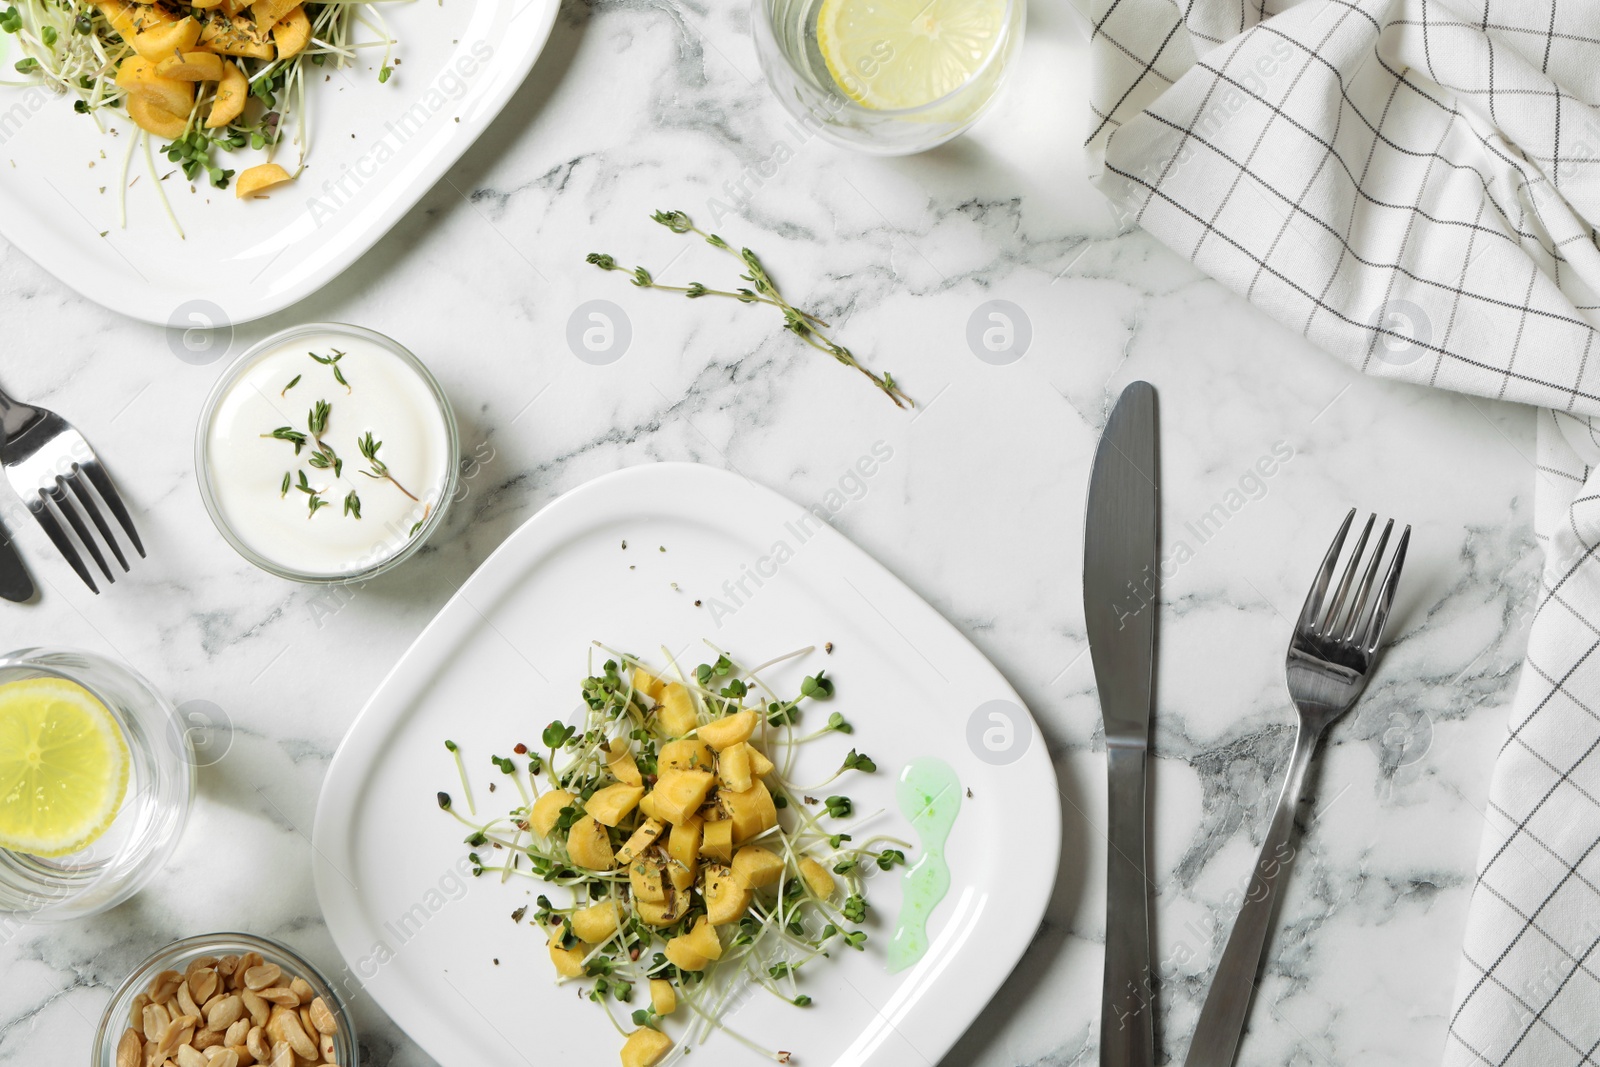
<point x="1121" y="586"/>
<point x="15" y="585"/>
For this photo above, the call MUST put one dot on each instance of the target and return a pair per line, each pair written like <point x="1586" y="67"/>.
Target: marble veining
<point x="642" y="105"/>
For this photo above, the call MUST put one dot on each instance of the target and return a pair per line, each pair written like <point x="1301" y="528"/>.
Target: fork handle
<point x="13" y="416"/>
<point x="1216" y="1034"/>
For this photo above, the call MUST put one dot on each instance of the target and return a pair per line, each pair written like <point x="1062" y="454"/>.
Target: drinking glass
<point x="853" y="99"/>
<point x="119" y="862"/>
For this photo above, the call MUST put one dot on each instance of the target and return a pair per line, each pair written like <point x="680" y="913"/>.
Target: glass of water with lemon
<point x="887" y="76"/>
<point x="96" y="777"/>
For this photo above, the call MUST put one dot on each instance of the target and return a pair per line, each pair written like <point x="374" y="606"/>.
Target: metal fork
<point x="1331" y="655"/>
<point x="44" y="457"/>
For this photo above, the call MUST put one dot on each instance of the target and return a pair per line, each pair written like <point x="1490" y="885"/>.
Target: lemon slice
<point x="63" y="767"/>
<point x="897" y="54"/>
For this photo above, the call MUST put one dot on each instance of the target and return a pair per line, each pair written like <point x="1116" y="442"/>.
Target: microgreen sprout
<point x="557" y="734"/>
<point x="859" y="761"/>
<point x="461" y="769"/>
<point x="817" y="686"/>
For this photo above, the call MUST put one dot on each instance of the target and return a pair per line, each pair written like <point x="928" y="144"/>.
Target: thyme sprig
<point x="332" y="363"/>
<point x="762" y="290"/>
<point x="313" y="496"/>
<point x="324" y="457"/>
<point x="380" y="470"/>
<point x="290" y="434"/>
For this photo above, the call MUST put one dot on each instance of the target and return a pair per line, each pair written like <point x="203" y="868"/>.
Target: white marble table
<point x="659" y="105"/>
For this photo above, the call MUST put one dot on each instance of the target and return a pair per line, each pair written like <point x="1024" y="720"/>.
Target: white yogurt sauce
<point x="386" y="397"/>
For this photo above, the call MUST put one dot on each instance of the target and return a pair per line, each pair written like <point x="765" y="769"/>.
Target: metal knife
<point x="15" y="585"/>
<point x="1120" y="600"/>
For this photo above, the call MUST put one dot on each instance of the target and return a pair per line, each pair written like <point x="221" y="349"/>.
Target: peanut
<point x="296" y="1035"/>
<point x="224" y="1012"/>
<point x="129" y="1049"/>
<point x="154" y="1022"/>
<point x="256" y="1042"/>
<point x="259" y="1010"/>
<point x="164" y="986"/>
<point x="262" y="976"/>
<point x="203" y="983"/>
<point x="322" y="1018"/>
<point x="281" y="995"/>
<point x="186" y="1001"/>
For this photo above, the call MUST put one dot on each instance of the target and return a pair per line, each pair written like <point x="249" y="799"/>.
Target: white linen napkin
<point x="1415" y="185"/>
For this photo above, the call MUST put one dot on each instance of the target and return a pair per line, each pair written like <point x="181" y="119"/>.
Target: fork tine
<point x="1313" y="606"/>
<point x="108" y="492"/>
<point x="1380" y="611"/>
<point x="86" y="499"/>
<point x="1331" y="621"/>
<point x="1358" y="607"/>
<point x="63" y="543"/>
<point x="63" y="504"/>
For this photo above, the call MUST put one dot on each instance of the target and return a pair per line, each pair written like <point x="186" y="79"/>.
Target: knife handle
<point x="1221" y="1022"/>
<point x="1126" y="1036"/>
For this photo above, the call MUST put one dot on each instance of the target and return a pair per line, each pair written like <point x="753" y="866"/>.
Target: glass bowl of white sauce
<point x="326" y="453"/>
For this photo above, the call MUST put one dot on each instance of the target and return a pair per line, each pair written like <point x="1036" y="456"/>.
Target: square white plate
<point x="505" y="657"/>
<point x="374" y="150"/>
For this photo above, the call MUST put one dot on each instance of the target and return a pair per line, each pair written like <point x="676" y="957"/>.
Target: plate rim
<point x="338" y="797"/>
<point x="132" y="301"/>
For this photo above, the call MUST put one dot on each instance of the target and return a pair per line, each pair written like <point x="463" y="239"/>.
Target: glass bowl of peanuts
<point x="225" y="1000"/>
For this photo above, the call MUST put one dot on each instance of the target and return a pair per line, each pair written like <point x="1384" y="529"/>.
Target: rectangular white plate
<point x="374" y="150"/>
<point x="505" y="656"/>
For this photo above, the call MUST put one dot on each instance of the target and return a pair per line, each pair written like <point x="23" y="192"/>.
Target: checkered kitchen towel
<point x="1415" y="185"/>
